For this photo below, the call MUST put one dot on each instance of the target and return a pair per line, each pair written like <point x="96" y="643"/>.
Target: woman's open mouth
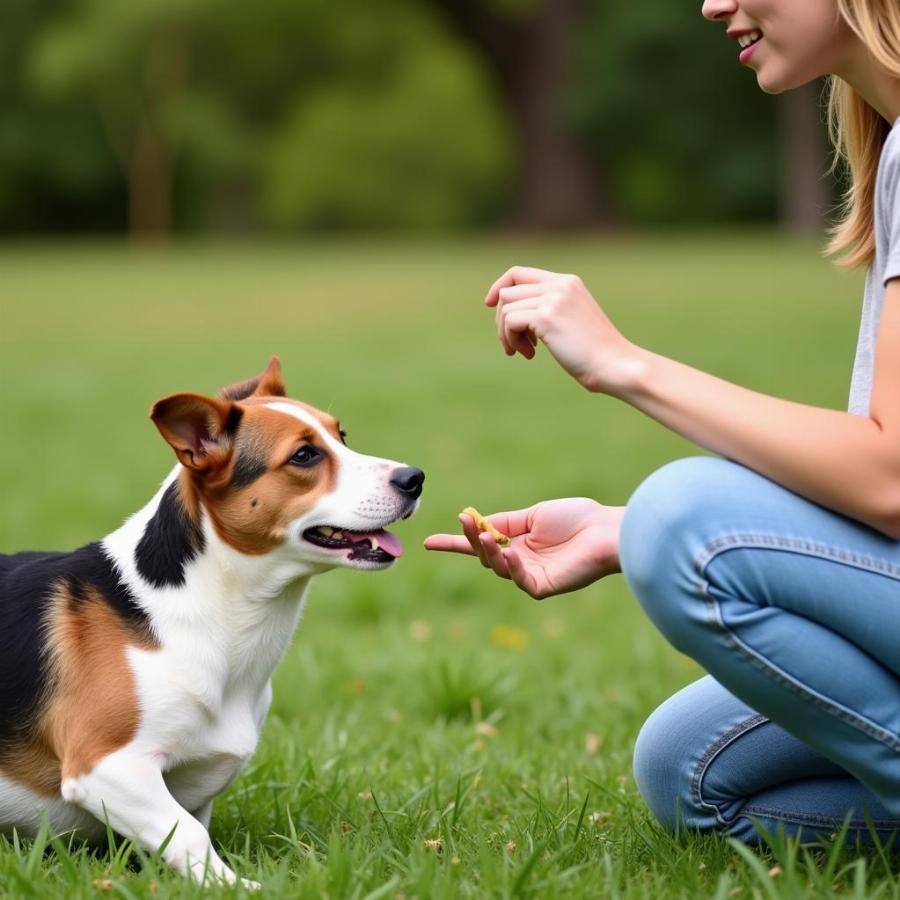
<point x="747" y="42"/>
<point x="377" y="546"/>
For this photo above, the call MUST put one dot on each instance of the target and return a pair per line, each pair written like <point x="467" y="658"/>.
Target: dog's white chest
<point x="209" y="758"/>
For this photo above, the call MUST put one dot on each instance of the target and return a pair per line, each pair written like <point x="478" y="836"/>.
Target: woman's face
<point x="786" y="42"/>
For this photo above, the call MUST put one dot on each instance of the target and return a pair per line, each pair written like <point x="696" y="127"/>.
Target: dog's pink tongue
<point x="389" y="543"/>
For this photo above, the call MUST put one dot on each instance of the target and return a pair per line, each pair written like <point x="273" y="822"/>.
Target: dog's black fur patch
<point x="247" y="468"/>
<point x="27" y="583"/>
<point x="170" y="541"/>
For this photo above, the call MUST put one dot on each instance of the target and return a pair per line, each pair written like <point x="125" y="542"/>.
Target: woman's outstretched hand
<point x="558" y="310"/>
<point x="557" y="546"/>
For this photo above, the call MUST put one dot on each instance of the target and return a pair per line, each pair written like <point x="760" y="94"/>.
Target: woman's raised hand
<point x="558" y="310"/>
<point x="557" y="546"/>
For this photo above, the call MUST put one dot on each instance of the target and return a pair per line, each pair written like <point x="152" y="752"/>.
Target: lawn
<point x="435" y="733"/>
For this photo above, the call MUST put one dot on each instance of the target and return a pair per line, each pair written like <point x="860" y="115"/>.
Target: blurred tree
<point x="396" y="129"/>
<point x="132" y="60"/>
<point x="53" y="161"/>
<point x="528" y="45"/>
<point x="282" y="113"/>
<point x="402" y="113"/>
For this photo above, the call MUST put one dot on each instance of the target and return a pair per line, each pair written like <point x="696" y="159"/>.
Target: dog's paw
<point x="250" y="885"/>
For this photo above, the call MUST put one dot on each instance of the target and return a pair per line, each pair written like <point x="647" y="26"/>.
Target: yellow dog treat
<point x="482" y="524"/>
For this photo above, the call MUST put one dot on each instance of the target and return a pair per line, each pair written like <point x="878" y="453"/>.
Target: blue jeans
<point x="794" y="611"/>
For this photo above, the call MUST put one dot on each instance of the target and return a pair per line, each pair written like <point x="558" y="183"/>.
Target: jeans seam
<point x="812" y="819"/>
<point x="709" y="755"/>
<point x="806" y="547"/>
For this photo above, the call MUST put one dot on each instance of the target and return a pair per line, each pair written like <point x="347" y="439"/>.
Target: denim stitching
<point x="812" y="819"/>
<point x="798" y="545"/>
<point x="711" y="752"/>
<point x="811" y="548"/>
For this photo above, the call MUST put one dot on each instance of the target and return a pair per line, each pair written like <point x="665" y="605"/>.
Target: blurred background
<point x="190" y="117"/>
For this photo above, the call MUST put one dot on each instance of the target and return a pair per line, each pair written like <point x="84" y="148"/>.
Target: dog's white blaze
<point x="363" y="498"/>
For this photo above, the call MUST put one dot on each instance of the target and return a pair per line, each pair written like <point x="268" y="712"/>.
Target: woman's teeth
<point x="745" y="40"/>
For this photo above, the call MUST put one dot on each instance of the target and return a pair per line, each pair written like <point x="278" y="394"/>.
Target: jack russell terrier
<point x="135" y="672"/>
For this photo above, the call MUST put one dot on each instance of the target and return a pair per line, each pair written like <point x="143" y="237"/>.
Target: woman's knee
<point x="680" y="747"/>
<point x="665" y="754"/>
<point x="668" y="523"/>
<point x="662" y="532"/>
<point x="657" y="773"/>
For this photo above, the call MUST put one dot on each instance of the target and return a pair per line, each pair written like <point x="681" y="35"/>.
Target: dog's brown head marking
<point x="253" y="469"/>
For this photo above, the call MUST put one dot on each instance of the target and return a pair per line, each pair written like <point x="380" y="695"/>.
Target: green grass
<point x="431" y="701"/>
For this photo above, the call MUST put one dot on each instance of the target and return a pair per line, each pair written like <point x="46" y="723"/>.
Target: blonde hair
<point x="858" y="131"/>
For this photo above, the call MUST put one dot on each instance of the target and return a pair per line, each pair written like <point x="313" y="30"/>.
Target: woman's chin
<point x="773" y="81"/>
<point x="769" y="83"/>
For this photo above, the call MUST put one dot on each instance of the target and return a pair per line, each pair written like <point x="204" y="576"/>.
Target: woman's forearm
<point x="846" y="462"/>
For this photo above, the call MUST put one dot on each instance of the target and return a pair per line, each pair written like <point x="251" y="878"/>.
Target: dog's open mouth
<point x="365" y="546"/>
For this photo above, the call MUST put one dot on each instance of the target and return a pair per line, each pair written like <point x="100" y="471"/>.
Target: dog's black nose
<point x="408" y="480"/>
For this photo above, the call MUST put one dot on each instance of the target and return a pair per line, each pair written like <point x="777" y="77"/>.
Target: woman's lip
<point x="747" y="52"/>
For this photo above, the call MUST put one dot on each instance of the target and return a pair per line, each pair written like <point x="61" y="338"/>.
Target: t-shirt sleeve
<point x="889" y="203"/>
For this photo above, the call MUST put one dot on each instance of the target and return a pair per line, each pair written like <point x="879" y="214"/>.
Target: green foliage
<point x="423" y="147"/>
<point x="286" y="115"/>
<point x="289" y="115"/>
<point x="52" y="156"/>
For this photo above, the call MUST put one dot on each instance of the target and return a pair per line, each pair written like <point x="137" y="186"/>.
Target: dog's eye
<point x="306" y="456"/>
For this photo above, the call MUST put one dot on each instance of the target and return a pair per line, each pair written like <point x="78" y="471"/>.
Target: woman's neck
<point x="872" y="82"/>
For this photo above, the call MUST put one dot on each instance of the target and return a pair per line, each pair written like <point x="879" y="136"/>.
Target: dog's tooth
<point x="326" y="530"/>
<point x="373" y="541"/>
<point x="337" y="535"/>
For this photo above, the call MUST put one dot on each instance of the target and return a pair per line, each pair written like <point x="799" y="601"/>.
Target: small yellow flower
<point x="505" y="636"/>
<point x="436" y="844"/>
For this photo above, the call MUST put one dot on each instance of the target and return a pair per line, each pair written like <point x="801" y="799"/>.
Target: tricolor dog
<point x="135" y="672"/>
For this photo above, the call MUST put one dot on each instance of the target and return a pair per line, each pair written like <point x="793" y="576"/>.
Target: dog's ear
<point x="200" y="429"/>
<point x="269" y="384"/>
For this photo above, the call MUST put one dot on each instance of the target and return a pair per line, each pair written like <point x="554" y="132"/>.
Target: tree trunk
<point x="533" y="63"/>
<point x="149" y="187"/>
<point x="807" y="190"/>
<point x="558" y="184"/>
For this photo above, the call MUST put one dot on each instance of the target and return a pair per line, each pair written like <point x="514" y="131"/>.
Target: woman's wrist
<point x="623" y="375"/>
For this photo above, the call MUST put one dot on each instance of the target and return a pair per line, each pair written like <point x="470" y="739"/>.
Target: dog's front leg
<point x="204" y="814"/>
<point x="129" y="792"/>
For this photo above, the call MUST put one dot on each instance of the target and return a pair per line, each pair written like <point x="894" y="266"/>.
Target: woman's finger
<point x="516" y="275"/>
<point x="513" y="342"/>
<point x="471" y="533"/>
<point x="493" y="555"/>
<point x="519" y="292"/>
<point x="518" y="331"/>
<point x="450" y="543"/>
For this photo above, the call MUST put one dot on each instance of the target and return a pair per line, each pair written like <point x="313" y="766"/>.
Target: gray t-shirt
<point x="885" y="266"/>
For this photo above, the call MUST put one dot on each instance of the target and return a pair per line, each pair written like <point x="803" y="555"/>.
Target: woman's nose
<point x="715" y="9"/>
